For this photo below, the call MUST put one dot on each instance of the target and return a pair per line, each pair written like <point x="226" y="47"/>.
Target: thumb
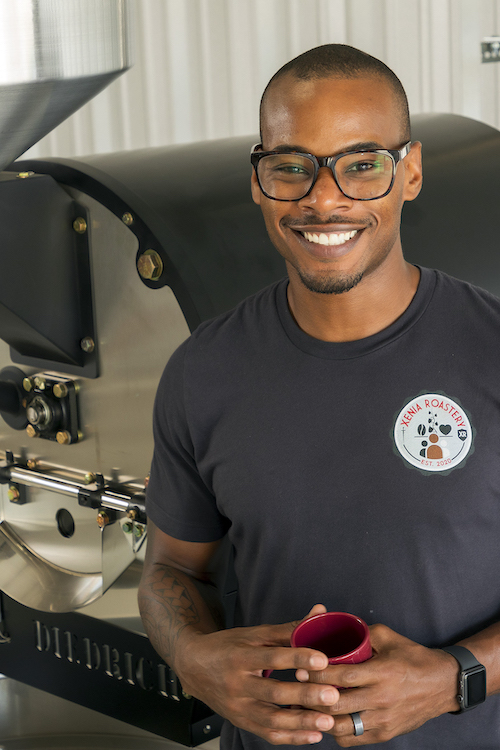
<point x="318" y="609"/>
<point x="283" y="632"/>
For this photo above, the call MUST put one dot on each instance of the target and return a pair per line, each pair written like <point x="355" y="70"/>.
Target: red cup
<point x="344" y="638"/>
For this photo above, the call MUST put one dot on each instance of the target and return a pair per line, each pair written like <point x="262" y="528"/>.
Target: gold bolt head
<point x="138" y="531"/>
<point x="63" y="437"/>
<point x="102" y="519"/>
<point x="31" y="463"/>
<point x="128" y="219"/>
<point x="80" y="225"/>
<point x="13" y="494"/>
<point x="40" y="383"/>
<point x="128" y="527"/>
<point x="60" y="390"/>
<point x="89" y="478"/>
<point x="28" y="384"/>
<point x="150" y="265"/>
<point x="30" y="431"/>
<point x="132" y="514"/>
<point x="24" y="175"/>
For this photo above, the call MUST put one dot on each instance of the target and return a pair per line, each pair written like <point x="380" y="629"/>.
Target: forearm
<point x="174" y="605"/>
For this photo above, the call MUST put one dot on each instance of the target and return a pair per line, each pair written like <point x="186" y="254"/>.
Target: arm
<point x="403" y="685"/>
<point x="223" y="668"/>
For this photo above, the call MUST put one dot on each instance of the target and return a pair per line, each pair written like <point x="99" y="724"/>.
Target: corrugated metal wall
<point x="201" y="65"/>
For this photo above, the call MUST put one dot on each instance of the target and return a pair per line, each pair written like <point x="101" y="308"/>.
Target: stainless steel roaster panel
<point x="137" y="328"/>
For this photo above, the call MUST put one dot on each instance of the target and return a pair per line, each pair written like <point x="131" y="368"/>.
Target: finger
<point x="350" y="701"/>
<point x="344" y="727"/>
<point x="318" y="609"/>
<point x="289" y="726"/>
<point x="293" y="693"/>
<point x="282" y="633"/>
<point x="285" y="658"/>
<point x="342" y="675"/>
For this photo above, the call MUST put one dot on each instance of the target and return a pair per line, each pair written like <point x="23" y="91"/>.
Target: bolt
<point x="128" y="219"/>
<point x="79" y="435"/>
<point x="24" y="175"/>
<point x="150" y="265"/>
<point x="89" y="478"/>
<point x="138" y="531"/>
<point x="40" y="383"/>
<point x="28" y="384"/>
<point x="128" y="527"/>
<point x="102" y="519"/>
<point x="31" y="463"/>
<point x="60" y="390"/>
<point x="87" y="344"/>
<point x="186" y="695"/>
<point x="13" y="494"/>
<point x="63" y="437"/>
<point x="132" y="514"/>
<point x="31" y="431"/>
<point x="207" y="729"/>
<point x="80" y="225"/>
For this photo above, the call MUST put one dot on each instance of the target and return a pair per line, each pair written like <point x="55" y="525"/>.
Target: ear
<point x="256" y="192"/>
<point x="413" y="172"/>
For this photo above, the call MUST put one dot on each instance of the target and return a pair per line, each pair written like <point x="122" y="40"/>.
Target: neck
<point x="374" y="304"/>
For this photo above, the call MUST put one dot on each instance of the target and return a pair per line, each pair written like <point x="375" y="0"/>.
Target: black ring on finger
<point x="358" y="724"/>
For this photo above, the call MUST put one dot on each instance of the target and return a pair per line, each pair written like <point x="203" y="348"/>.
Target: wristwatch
<point x="471" y="679"/>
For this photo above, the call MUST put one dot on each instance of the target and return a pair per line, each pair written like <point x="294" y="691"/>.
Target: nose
<point x="325" y="194"/>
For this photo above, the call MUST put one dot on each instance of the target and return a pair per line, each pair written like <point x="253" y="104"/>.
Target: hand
<point x="224" y="670"/>
<point x="401" y="687"/>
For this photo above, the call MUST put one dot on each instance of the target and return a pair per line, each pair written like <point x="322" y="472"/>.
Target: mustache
<point x="311" y="221"/>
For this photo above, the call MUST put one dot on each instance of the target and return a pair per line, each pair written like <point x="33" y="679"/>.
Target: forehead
<point x="329" y="115"/>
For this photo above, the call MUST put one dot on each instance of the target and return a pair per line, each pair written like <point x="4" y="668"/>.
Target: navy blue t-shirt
<point x="363" y="475"/>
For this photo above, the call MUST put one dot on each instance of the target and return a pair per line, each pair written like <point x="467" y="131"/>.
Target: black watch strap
<point x="471" y="678"/>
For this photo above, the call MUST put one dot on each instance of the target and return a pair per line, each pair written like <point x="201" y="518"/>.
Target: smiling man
<point x="322" y="428"/>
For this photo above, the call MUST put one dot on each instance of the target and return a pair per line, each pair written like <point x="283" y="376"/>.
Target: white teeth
<point x="332" y="238"/>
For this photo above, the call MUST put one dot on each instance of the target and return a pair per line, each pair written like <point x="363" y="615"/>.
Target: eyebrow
<point x="362" y="146"/>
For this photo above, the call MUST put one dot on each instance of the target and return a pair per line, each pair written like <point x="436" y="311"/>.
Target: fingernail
<point x="328" y="697"/>
<point x="315" y="738"/>
<point x="302" y="675"/>
<point x="318" y="662"/>
<point x="325" y="723"/>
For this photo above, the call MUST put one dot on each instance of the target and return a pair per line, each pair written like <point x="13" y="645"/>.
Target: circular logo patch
<point x="433" y="433"/>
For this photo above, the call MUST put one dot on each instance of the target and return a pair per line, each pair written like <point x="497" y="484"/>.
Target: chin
<point x="326" y="284"/>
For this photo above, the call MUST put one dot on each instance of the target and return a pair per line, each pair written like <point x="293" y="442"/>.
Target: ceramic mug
<point x="344" y="638"/>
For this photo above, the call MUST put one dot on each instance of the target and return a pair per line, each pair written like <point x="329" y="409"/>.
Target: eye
<point x="364" y="166"/>
<point x="286" y="168"/>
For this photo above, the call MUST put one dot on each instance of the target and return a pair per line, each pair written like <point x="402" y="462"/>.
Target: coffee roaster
<point x="107" y="263"/>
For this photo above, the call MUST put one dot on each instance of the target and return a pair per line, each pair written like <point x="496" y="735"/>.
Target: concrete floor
<point x="31" y="719"/>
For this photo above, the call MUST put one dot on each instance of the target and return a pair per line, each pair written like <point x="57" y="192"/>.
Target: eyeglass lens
<point x="361" y="176"/>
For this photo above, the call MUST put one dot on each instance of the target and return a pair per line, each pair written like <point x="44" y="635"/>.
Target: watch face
<point x="474" y="687"/>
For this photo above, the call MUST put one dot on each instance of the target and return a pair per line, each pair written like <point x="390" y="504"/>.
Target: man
<point x="341" y="427"/>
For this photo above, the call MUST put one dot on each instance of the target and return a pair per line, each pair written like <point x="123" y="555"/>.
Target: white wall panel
<point x="201" y="65"/>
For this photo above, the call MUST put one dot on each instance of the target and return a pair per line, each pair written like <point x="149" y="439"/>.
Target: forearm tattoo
<point x="167" y="607"/>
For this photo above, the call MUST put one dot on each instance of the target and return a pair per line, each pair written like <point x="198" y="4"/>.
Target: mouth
<point x="329" y="238"/>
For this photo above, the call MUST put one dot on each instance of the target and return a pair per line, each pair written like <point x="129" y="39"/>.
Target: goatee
<point x="325" y="284"/>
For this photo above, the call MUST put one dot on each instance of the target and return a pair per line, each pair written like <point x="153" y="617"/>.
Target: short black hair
<point x="342" y="61"/>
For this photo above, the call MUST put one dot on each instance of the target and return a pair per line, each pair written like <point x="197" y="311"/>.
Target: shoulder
<point x="455" y="291"/>
<point x="231" y="336"/>
<point x="242" y="327"/>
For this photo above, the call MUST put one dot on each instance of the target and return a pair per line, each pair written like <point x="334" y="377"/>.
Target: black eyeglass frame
<point x="396" y="155"/>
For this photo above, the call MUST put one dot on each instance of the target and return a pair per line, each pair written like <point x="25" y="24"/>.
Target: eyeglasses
<point x="360" y="175"/>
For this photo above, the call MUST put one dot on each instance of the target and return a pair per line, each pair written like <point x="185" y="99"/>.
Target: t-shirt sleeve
<point x="178" y="501"/>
